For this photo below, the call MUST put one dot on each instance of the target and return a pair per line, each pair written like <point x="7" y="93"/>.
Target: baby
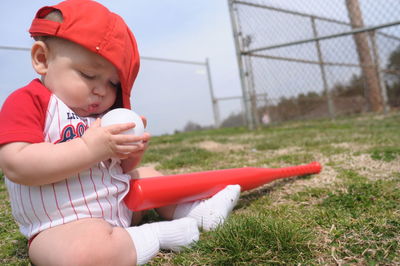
<point x="66" y="193"/>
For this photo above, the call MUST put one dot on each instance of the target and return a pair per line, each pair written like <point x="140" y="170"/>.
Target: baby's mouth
<point x="93" y="107"/>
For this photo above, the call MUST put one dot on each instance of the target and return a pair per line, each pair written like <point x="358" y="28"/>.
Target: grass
<point x="13" y="245"/>
<point x="386" y="154"/>
<point x="347" y="214"/>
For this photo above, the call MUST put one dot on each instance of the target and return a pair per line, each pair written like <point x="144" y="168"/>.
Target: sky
<point x="168" y="94"/>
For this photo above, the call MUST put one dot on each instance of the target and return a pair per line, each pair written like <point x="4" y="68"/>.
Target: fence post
<point x="331" y="105"/>
<point x="214" y="101"/>
<point x="251" y="88"/>
<point x="373" y="92"/>
<point x="245" y="92"/>
<point x="377" y="59"/>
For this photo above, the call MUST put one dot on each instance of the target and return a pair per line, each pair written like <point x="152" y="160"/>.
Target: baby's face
<point x="86" y="82"/>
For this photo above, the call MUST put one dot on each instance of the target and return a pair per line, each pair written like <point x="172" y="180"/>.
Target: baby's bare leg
<point x="165" y="212"/>
<point x="83" y="242"/>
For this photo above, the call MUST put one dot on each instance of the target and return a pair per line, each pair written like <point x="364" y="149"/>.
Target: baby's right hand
<point x="106" y="142"/>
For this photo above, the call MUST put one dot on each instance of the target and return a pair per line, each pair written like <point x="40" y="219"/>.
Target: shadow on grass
<point x="248" y="197"/>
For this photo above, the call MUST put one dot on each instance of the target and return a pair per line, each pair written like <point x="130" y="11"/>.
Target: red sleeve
<point x="23" y="114"/>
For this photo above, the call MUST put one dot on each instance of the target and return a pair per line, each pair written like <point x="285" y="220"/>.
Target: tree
<point x="393" y="78"/>
<point x="191" y="126"/>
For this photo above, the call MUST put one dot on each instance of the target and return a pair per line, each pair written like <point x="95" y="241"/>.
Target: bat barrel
<point x="160" y="191"/>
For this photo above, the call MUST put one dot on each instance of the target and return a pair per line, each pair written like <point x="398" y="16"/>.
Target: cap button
<point x="97" y="48"/>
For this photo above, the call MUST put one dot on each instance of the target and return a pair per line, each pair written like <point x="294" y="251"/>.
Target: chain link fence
<point x="316" y="58"/>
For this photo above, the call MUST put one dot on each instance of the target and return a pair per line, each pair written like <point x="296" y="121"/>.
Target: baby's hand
<point x="106" y="142"/>
<point x="133" y="159"/>
<point x="141" y="146"/>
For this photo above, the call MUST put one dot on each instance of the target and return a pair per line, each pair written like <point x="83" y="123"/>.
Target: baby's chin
<point x="81" y="112"/>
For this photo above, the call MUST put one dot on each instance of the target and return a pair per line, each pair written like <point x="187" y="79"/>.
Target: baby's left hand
<point x="143" y="143"/>
<point x="133" y="158"/>
<point x="141" y="146"/>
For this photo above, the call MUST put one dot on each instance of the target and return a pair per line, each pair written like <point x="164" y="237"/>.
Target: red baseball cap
<point x="96" y="28"/>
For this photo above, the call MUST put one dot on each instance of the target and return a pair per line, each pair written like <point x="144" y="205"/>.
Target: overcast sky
<point x="168" y="94"/>
<point x="171" y="94"/>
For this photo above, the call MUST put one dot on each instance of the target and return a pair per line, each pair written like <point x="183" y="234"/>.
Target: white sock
<point x="212" y="212"/>
<point x="171" y="235"/>
<point x="176" y="234"/>
<point x="146" y="242"/>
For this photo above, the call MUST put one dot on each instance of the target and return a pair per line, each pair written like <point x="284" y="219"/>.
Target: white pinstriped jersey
<point x="97" y="192"/>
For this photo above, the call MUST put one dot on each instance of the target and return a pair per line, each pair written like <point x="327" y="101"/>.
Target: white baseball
<point x="123" y="115"/>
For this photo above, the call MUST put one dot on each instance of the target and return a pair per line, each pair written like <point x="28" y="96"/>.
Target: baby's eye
<point x="86" y="75"/>
<point x="114" y="84"/>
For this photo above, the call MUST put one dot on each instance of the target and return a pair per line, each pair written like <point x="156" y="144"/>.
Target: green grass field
<point x="347" y="214"/>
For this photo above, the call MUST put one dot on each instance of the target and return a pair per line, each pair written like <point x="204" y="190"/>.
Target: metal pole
<point x="172" y="60"/>
<point x="15" y="48"/>
<point x="214" y="101"/>
<point x="332" y="36"/>
<point x="252" y="91"/>
<point x="236" y="36"/>
<point x="287" y="11"/>
<point x="331" y="106"/>
<point x="377" y="60"/>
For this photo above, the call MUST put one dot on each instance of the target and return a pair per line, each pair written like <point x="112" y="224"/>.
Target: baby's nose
<point x="99" y="89"/>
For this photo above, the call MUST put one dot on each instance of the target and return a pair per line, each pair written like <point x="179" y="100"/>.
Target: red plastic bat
<point x="160" y="191"/>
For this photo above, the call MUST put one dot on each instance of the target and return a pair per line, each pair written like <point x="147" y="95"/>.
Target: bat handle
<point x="307" y="169"/>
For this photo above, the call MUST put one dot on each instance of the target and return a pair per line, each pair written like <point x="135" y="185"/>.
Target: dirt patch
<point x="285" y="151"/>
<point x="375" y="117"/>
<point x="326" y="178"/>
<point x="351" y="146"/>
<point x="368" y="167"/>
<point x="219" y="147"/>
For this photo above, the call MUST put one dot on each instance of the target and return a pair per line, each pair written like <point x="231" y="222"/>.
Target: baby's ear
<point x="40" y="56"/>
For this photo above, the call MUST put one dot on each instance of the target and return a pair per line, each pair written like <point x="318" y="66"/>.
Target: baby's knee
<point x="113" y="248"/>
